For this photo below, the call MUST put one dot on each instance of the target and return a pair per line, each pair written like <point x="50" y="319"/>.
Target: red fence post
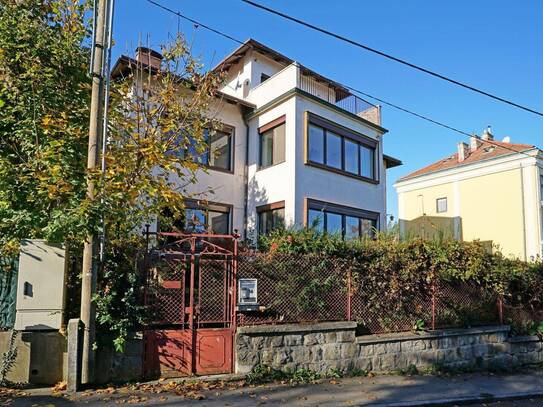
<point x="349" y="294"/>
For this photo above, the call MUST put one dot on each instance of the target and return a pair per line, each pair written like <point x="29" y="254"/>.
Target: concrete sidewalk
<point x="375" y="391"/>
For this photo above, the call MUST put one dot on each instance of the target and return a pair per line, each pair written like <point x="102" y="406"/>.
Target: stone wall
<point x="113" y="366"/>
<point x="325" y="346"/>
<point x="41" y="357"/>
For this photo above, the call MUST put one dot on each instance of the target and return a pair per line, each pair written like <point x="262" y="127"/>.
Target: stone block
<point x="317" y="354"/>
<point x="282" y="356"/>
<point x="348" y="350"/>
<point x="365" y="350"/>
<point x="363" y="364"/>
<point x="419" y="345"/>
<point x="393" y="347"/>
<point x="379" y="349"/>
<point x="310" y="339"/>
<point x="276" y="341"/>
<point x="346" y="336"/>
<point x="480" y="350"/>
<point x="293" y="340"/>
<point x="257" y="342"/>
<point x="388" y="363"/>
<point x="330" y="337"/>
<point x="332" y="352"/>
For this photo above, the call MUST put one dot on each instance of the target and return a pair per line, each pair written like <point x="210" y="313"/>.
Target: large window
<point x="270" y="217"/>
<point x="217" y="153"/>
<point x="351" y="223"/>
<point x="338" y="149"/>
<point x="272" y="143"/>
<point x="202" y="217"/>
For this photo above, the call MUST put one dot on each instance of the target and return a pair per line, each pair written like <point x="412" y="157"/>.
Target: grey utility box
<point x="40" y="286"/>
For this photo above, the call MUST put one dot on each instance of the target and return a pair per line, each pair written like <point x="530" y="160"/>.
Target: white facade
<point x="289" y="92"/>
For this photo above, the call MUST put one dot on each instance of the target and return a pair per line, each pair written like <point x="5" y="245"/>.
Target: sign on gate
<point x="191" y="289"/>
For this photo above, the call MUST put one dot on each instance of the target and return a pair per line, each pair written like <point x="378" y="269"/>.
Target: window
<point x="441" y="205"/>
<point x="340" y="149"/>
<point x="351" y="223"/>
<point x="270" y="217"/>
<point x="333" y="150"/>
<point x="272" y="143"/>
<point x="264" y="77"/>
<point x="316" y="144"/>
<point x="217" y="149"/>
<point x="201" y="218"/>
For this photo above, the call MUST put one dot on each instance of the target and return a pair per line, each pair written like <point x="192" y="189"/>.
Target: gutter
<point x="246" y="179"/>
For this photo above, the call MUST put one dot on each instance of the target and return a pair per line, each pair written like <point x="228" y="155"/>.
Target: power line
<point x="420" y="116"/>
<point x="391" y="57"/>
<point x="178" y="14"/>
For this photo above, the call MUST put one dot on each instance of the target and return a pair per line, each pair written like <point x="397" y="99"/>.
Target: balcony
<point x="337" y="95"/>
<point x="297" y="76"/>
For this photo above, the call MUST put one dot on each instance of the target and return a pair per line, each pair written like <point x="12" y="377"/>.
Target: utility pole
<point x="90" y="249"/>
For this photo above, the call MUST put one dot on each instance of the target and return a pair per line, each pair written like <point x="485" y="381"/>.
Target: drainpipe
<point x="523" y="213"/>
<point x="246" y="177"/>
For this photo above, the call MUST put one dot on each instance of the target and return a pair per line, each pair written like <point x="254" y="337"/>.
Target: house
<point x="295" y="146"/>
<point x="488" y="190"/>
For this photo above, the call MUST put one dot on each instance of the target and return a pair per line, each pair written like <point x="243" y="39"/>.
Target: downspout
<point x="523" y="212"/>
<point x="246" y="177"/>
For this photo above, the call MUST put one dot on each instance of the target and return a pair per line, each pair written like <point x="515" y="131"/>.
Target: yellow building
<point x="488" y="190"/>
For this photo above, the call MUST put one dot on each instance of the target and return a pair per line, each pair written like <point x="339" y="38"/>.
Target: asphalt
<point x="524" y="389"/>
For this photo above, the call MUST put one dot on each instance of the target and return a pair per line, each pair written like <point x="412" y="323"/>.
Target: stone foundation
<point x="325" y="346"/>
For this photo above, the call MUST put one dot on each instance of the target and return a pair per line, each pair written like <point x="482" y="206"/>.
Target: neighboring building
<point x="295" y="146"/>
<point x="489" y="191"/>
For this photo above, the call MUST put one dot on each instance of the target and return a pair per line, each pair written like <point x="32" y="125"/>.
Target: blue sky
<point x="494" y="45"/>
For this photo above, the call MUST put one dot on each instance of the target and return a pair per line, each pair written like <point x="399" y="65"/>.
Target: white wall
<point x="275" y="183"/>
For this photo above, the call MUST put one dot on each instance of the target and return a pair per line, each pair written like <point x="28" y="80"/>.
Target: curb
<point x="462" y="400"/>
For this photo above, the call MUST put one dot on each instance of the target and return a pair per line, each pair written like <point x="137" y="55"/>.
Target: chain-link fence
<point x="312" y="288"/>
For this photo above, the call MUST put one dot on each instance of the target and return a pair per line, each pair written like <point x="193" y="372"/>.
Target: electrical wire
<point x="391" y="57"/>
<point x="403" y="109"/>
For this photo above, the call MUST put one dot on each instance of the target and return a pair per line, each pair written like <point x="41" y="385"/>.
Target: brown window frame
<point x="207" y="206"/>
<point x="265" y="209"/>
<point x="281" y="120"/>
<point x="344" y="211"/>
<point x="345" y="134"/>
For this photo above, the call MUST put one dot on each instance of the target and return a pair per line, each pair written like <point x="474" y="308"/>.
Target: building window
<point x="204" y="218"/>
<point x="441" y="205"/>
<point x="272" y="143"/>
<point x="351" y="223"/>
<point x="264" y="77"/>
<point x="216" y="151"/>
<point x="270" y="217"/>
<point x="339" y="149"/>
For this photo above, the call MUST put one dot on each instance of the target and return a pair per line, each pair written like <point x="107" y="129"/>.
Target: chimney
<point x="463" y="151"/>
<point x="487" y="134"/>
<point x="149" y="57"/>
<point x="474" y="142"/>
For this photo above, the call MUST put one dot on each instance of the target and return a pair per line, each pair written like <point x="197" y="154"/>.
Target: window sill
<point x="260" y="168"/>
<point x="341" y="172"/>
<point x="219" y="169"/>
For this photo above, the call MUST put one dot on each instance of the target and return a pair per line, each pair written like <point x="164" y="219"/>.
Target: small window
<point x="215" y="151"/>
<point x="367" y="161"/>
<point x="333" y="150"/>
<point x="270" y="218"/>
<point x="351" y="156"/>
<point x="264" y="77"/>
<point x="272" y="146"/>
<point x="441" y="205"/>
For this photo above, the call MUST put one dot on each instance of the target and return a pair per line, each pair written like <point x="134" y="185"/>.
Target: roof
<point x="126" y="63"/>
<point x="251" y="44"/>
<point x="391" y="162"/>
<point x="487" y="150"/>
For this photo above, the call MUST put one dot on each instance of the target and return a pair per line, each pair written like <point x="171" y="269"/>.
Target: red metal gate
<point x="191" y="291"/>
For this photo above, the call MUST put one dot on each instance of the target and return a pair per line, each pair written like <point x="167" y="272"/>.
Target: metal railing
<point x="339" y="97"/>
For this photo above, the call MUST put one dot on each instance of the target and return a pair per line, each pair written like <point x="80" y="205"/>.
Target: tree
<point x="159" y="124"/>
<point x="44" y="96"/>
